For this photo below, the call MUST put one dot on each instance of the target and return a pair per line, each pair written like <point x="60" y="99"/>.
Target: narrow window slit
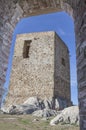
<point x="26" y="48"/>
<point x="63" y="61"/>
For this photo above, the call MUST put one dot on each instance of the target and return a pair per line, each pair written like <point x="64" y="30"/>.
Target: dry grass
<point x="26" y="122"/>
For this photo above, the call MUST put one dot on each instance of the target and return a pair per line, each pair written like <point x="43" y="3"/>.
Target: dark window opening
<point x="85" y="52"/>
<point x="26" y="48"/>
<point x="63" y="61"/>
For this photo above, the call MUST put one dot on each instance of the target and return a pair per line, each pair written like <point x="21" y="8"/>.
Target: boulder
<point x="6" y="109"/>
<point x="32" y="101"/>
<point x="22" y="109"/>
<point x="69" y="115"/>
<point x="45" y="113"/>
<point x="57" y="103"/>
<point x="38" y="103"/>
<point x="47" y="104"/>
<point x="1" y="112"/>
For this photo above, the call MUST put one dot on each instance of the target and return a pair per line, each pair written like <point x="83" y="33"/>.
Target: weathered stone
<point x="44" y="113"/>
<point x="68" y="115"/>
<point x="32" y="101"/>
<point x="22" y="109"/>
<point x="40" y="68"/>
<point x="44" y="107"/>
<point x="48" y="104"/>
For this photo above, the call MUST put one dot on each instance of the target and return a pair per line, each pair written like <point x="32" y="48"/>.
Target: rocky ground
<point x="36" y="113"/>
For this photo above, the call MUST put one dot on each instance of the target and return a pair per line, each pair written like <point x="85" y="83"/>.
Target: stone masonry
<point x="11" y="11"/>
<point x="40" y="68"/>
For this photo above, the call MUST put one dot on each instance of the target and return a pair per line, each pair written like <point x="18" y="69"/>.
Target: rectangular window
<point x="26" y="48"/>
<point x="85" y="52"/>
<point x="63" y="61"/>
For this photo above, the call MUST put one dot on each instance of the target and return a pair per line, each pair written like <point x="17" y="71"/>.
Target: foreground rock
<point x="45" y="108"/>
<point x="22" y="109"/>
<point x="41" y="108"/>
<point x="1" y="112"/>
<point x="57" y="104"/>
<point x="45" y="113"/>
<point x="42" y="104"/>
<point x="33" y="103"/>
<point x="69" y="115"/>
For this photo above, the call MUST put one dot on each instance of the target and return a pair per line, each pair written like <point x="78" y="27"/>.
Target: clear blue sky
<point x="60" y="22"/>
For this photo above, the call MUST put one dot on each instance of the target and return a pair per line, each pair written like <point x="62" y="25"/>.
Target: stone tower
<point x="40" y="68"/>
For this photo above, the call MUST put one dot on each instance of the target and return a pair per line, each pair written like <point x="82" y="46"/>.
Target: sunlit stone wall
<point x="40" y="68"/>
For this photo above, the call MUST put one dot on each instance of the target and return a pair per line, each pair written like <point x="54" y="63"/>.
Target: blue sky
<point x="60" y="22"/>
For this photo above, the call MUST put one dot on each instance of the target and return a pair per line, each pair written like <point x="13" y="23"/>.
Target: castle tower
<point x="40" y="68"/>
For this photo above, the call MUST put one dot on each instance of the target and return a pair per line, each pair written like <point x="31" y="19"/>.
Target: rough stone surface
<point x="44" y="113"/>
<point x="32" y="101"/>
<point x="68" y="115"/>
<point x="12" y="11"/>
<point x="43" y="107"/>
<point x="41" y="70"/>
<point x="22" y="109"/>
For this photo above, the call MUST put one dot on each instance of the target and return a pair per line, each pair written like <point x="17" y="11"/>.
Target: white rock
<point x="22" y="109"/>
<point x="68" y="115"/>
<point x="32" y="101"/>
<point x="45" y="113"/>
<point x="47" y="104"/>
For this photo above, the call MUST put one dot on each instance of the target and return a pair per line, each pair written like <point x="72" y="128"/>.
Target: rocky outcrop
<point x="44" y="109"/>
<point x="30" y="105"/>
<point x="33" y="103"/>
<point x="57" y="103"/>
<point x="45" y="113"/>
<point x="69" y="115"/>
<point x="22" y="109"/>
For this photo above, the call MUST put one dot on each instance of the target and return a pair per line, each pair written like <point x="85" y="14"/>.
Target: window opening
<point x="63" y="61"/>
<point x="85" y="52"/>
<point x="26" y="48"/>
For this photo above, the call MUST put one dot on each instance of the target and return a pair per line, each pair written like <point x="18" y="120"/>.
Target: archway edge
<point x="44" y="7"/>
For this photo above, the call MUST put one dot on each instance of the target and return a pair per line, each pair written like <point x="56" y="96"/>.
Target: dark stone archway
<point x="12" y="11"/>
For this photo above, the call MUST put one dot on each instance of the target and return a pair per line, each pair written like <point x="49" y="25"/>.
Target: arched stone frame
<point x="12" y="11"/>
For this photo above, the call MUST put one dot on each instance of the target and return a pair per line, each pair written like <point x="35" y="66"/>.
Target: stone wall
<point x="62" y="69"/>
<point x="10" y="14"/>
<point x="80" y="31"/>
<point x="39" y="72"/>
